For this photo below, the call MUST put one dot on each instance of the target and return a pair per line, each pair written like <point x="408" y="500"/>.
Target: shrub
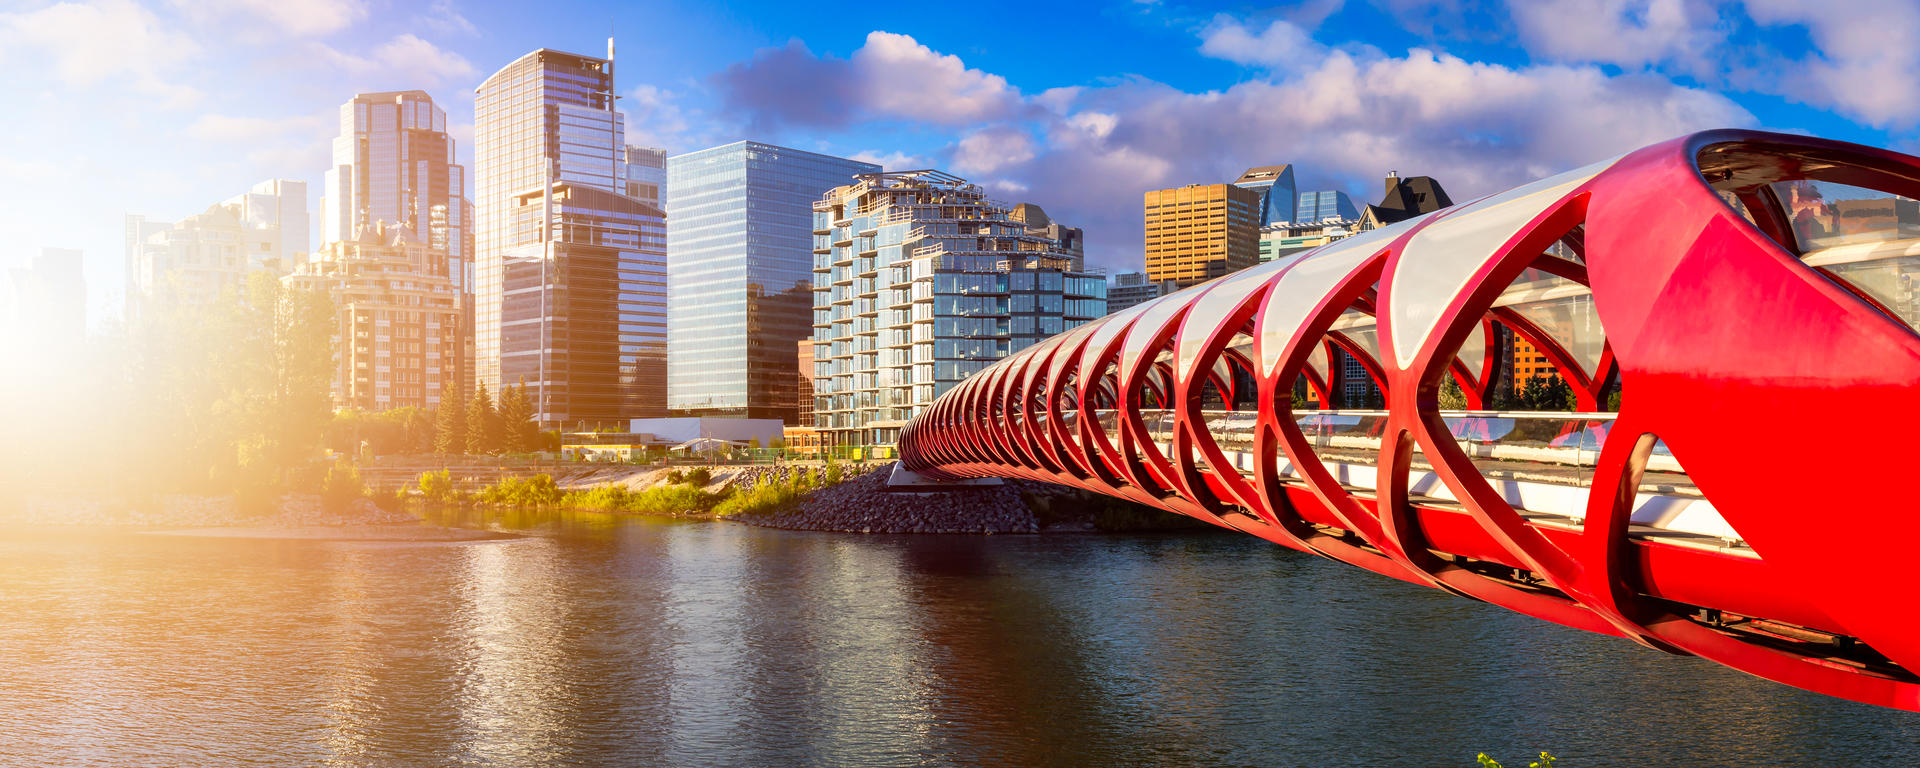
<point x="672" y="500"/>
<point x="833" y="475"/>
<point x="436" y="486"/>
<point x="609" y="498"/>
<point x="536" y="491"/>
<point x="675" y="477"/>
<point x="699" y="476"/>
<point x="764" y="499"/>
<point x="341" y="487"/>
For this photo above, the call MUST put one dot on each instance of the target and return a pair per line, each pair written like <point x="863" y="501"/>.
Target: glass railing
<point x="1553" y="448"/>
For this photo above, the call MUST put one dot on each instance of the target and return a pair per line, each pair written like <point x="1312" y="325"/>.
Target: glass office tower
<point x="570" y="287"/>
<point x="1326" y="204"/>
<point x="393" y="162"/>
<point x="1275" y="185"/>
<point x="740" y="268"/>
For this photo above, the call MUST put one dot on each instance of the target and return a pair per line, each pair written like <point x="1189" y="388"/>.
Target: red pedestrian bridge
<point x="1747" y="299"/>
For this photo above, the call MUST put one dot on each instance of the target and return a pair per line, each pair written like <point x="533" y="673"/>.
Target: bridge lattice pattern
<point x="1704" y="282"/>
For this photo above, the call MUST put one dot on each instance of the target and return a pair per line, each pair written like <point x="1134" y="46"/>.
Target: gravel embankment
<point x="864" y="505"/>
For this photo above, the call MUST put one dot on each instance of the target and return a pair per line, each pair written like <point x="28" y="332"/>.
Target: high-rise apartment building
<point x="399" y="318"/>
<point x="740" y="246"/>
<point x="1131" y="288"/>
<point x="1325" y="205"/>
<point x="393" y="162"/>
<point x="1199" y="232"/>
<point x="646" y="175"/>
<point x="571" y="279"/>
<point x="1276" y="188"/>
<point x="277" y="207"/>
<point x="920" y="281"/>
<point x="197" y="259"/>
<point x="50" y="298"/>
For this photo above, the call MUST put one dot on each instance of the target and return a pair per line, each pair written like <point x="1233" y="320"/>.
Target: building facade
<point x="646" y="175"/>
<point x="1325" y="205"/>
<point x="277" y="207"/>
<point x="570" y="285"/>
<point x="399" y="319"/>
<point x="740" y="268"/>
<point x="1283" y="239"/>
<point x="196" y="260"/>
<point x="919" y="281"/>
<point x="50" y="297"/>
<point x="1277" y="192"/>
<point x="393" y="162"/>
<point x="1131" y="288"/>
<point x="1200" y="232"/>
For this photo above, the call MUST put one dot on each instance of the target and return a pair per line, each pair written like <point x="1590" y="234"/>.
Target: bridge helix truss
<point x="1730" y="290"/>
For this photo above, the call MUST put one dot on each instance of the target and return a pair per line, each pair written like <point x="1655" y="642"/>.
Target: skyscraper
<point x="1275" y="185"/>
<point x="646" y="170"/>
<point x="278" y="207"/>
<point x="920" y="281"/>
<point x="393" y="163"/>
<point x="740" y="247"/>
<point x="571" y="284"/>
<point x="1326" y="204"/>
<point x="1199" y="232"/>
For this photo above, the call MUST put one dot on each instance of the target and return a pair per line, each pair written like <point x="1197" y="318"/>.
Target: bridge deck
<point x="1541" y="463"/>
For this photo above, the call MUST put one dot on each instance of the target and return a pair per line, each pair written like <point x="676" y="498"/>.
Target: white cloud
<point x="1282" y="45"/>
<point x="892" y="76"/>
<point x="892" y="161"/>
<point x="984" y="152"/>
<point x="1477" y="127"/>
<point x="90" y="43"/>
<point x="405" y="61"/>
<point x="1869" y="53"/>
<point x="903" y="78"/>
<point x="299" y="18"/>
<point x="1630" y="33"/>
<point x="443" y="17"/>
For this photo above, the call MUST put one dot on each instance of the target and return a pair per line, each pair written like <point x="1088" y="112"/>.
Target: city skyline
<point x="1075" y="130"/>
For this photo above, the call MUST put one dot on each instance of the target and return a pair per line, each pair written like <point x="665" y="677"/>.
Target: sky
<point x="164" y="107"/>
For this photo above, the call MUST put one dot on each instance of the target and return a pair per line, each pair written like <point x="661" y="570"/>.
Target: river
<point x="696" y="644"/>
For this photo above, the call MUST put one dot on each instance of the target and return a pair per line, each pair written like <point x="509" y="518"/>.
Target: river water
<point x="695" y="644"/>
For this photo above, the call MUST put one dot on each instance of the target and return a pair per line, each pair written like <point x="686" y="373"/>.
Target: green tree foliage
<point x="1549" y="394"/>
<point x="400" y="430"/>
<point x="1452" y="398"/>
<point x="436" y="485"/>
<point x="341" y="487"/>
<point x="483" y="424"/>
<point x="231" y="395"/>
<point x="519" y="433"/>
<point x="450" y="428"/>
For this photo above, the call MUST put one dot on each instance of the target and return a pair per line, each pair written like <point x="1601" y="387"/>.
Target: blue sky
<point x="163" y="107"/>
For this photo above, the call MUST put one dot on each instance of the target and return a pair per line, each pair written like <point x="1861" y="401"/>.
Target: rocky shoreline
<point x="864" y="504"/>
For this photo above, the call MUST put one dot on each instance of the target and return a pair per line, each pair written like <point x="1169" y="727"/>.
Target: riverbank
<point x="864" y="504"/>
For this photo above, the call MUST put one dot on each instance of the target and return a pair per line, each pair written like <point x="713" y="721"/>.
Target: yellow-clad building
<point x="1199" y="232"/>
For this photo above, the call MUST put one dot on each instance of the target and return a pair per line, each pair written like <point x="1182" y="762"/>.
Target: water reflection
<point x="664" y="643"/>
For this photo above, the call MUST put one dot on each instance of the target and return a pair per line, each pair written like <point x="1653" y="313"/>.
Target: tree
<point x="450" y="433"/>
<point x="519" y="433"/>
<point x="483" y="424"/>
